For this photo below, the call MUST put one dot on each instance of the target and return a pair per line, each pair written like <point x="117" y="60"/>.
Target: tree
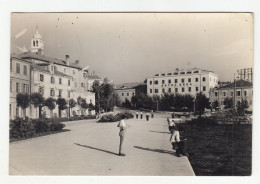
<point x="50" y="103"/>
<point x="215" y="104"/>
<point x="84" y="104"/>
<point x="72" y="104"/>
<point x="62" y="104"/>
<point x="127" y="103"/>
<point x="37" y="100"/>
<point x="23" y="101"/>
<point x="201" y="103"/>
<point x="241" y="107"/>
<point x="228" y="102"/>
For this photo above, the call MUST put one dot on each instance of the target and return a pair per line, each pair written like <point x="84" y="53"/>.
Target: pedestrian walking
<point x="141" y="116"/>
<point x="147" y="116"/>
<point x="136" y="114"/>
<point x="152" y="115"/>
<point x="171" y="124"/>
<point x="122" y="126"/>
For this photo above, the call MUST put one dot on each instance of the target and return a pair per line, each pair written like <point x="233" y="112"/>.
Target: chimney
<point x="67" y="60"/>
<point x="77" y="62"/>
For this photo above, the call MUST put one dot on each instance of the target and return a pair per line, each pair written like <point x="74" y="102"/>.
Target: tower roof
<point x="37" y="35"/>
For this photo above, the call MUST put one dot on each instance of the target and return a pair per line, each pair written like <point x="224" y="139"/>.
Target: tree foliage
<point x="242" y="106"/>
<point x="228" y="102"/>
<point x="23" y="100"/>
<point x="201" y="103"/>
<point x="62" y="104"/>
<point x="37" y="99"/>
<point x="50" y="103"/>
<point x="72" y="103"/>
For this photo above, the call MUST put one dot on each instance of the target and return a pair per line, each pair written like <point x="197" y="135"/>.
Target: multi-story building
<point x="245" y="74"/>
<point x="19" y="83"/>
<point x="128" y="90"/>
<point x="56" y="78"/>
<point x="91" y="79"/>
<point x="182" y="82"/>
<point x="238" y="91"/>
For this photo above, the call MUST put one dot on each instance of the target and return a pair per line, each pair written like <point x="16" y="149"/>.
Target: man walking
<point x="122" y="126"/>
<point x="136" y="114"/>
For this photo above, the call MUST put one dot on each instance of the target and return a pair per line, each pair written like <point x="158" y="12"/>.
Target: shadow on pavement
<point x="159" y="132"/>
<point x="90" y="147"/>
<point x="155" y="150"/>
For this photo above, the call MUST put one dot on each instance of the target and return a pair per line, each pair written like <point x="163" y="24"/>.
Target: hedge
<point x="114" y="118"/>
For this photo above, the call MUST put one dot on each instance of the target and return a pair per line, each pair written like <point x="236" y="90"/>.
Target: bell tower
<point x="37" y="43"/>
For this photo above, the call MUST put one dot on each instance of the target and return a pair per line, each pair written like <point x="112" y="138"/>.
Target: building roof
<point x="239" y="83"/>
<point x="177" y="72"/>
<point x="93" y="76"/>
<point x="32" y="55"/>
<point x="131" y="85"/>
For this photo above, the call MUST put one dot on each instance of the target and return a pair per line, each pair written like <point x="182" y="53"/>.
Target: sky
<point x="129" y="47"/>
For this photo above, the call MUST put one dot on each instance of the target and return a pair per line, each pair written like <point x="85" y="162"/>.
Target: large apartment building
<point x="190" y="81"/>
<point x="49" y="76"/>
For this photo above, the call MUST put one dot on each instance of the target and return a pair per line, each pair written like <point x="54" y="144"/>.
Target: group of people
<point x="141" y="115"/>
<point x="177" y="144"/>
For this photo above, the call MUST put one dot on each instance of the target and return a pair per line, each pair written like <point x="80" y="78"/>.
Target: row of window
<point x="60" y="81"/>
<point x="23" y="88"/>
<point x="18" y="68"/>
<point x="176" y="80"/>
<point x="176" y="90"/>
<point x="238" y="93"/>
<point x="127" y="94"/>
<point x="52" y="92"/>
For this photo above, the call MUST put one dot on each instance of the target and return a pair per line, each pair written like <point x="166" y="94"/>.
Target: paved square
<point x="91" y="148"/>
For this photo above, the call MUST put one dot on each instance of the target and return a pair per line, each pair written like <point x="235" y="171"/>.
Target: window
<point x="163" y="90"/>
<point x="163" y="81"/>
<point x="133" y="93"/>
<point x="60" y="81"/>
<point x="33" y="43"/>
<point x="170" y="90"/>
<point x="64" y="70"/>
<point x="127" y="94"/>
<point x="60" y="93"/>
<point x="41" y="77"/>
<point x="36" y="42"/>
<point x="196" y="79"/>
<point x="52" y="68"/>
<point x="155" y="90"/>
<point x="73" y="71"/>
<point x="41" y="90"/>
<point x="182" y="89"/>
<point x="169" y="81"/>
<point x="231" y="93"/>
<point x="224" y="93"/>
<point x="25" y="88"/>
<point x="17" y="111"/>
<point x="10" y="110"/>
<point x="68" y="94"/>
<point x="176" y="80"/>
<point x="151" y="91"/>
<point x="75" y="84"/>
<point x="52" y="92"/>
<point x="24" y="69"/>
<point x="197" y="88"/>
<point x="203" y="79"/>
<point x="176" y="90"/>
<point x="151" y="82"/>
<point x="216" y="93"/>
<point x="55" y="68"/>
<point x="68" y="82"/>
<point x="17" y="87"/>
<point x="122" y="94"/>
<point x="189" y="79"/>
<point x="52" y="80"/>
<point x="182" y="80"/>
<point x="82" y="85"/>
<point x="189" y="89"/>
<point x="238" y="93"/>
<point x="156" y="82"/>
<point x="11" y="86"/>
<point x="17" y="68"/>
<point x="204" y="88"/>
<point x="245" y="93"/>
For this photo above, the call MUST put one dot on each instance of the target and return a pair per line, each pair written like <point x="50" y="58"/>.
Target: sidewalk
<point x="91" y="148"/>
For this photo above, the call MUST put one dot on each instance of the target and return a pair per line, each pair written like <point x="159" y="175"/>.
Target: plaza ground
<point x="91" y="148"/>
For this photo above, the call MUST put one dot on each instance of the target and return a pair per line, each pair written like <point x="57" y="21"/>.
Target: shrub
<point x="114" y="118"/>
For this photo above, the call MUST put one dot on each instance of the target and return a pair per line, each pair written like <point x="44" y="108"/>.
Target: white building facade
<point x="182" y="82"/>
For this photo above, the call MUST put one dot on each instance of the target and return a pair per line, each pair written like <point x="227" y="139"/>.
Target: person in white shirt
<point x="122" y="126"/>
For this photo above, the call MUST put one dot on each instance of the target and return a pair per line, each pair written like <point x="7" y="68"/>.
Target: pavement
<point x="91" y="149"/>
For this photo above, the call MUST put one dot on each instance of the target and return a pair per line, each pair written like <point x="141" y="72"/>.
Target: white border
<point x="8" y="6"/>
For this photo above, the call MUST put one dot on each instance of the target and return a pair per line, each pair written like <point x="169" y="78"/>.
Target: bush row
<point x="114" y="118"/>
